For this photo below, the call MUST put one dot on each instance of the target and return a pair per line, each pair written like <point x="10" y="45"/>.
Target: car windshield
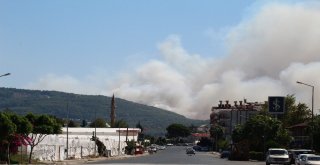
<point x="303" y="152"/>
<point x="314" y="158"/>
<point x="278" y="152"/>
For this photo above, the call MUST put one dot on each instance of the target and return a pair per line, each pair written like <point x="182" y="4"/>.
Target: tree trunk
<point x="8" y="153"/>
<point x="30" y="155"/>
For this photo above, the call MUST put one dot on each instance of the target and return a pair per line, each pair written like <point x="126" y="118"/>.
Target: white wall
<point x="52" y="148"/>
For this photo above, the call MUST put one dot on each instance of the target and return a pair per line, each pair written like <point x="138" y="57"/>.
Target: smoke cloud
<point x="266" y="54"/>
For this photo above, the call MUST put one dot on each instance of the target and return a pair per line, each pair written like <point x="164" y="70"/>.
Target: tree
<point x="73" y="124"/>
<point x="177" y="130"/>
<point x="42" y="126"/>
<point x="20" y="137"/>
<point x="14" y="133"/>
<point x="98" y="123"/>
<point x="84" y="123"/>
<point x="141" y="135"/>
<point x="295" y="113"/>
<point x="216" y="133"/>
<point x="121" y="124"/>
<point x="316" y="133"/>
<point x="259" y="131"/>
<point x="139" y="126"/>
<point x="7" y="130"/>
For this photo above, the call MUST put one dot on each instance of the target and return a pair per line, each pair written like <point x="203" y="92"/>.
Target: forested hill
<point x="154" y="120"/>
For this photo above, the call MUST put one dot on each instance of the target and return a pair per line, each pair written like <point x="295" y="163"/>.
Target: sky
<point x="183" y="56"/>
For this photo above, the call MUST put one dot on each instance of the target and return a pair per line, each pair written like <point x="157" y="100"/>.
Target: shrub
<point x="253" y="155"/>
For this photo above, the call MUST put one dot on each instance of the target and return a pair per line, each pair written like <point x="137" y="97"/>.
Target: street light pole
<point x="312" y="104"/>
<point x="7" y="74"/>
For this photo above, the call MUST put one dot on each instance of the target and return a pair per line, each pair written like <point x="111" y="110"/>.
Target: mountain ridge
<point x="87" y="107"/>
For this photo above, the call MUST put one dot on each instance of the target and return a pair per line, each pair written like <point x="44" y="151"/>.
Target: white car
<point x="277" y="156"/>
<point x="310" y="160"/>
<point x="161" y="147"/>
<point x="300" y="158"/>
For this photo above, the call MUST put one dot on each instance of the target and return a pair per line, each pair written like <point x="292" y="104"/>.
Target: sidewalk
<point x="86" y="160"/>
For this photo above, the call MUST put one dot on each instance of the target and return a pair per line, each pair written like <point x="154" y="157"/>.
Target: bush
<point x="253" y="155"/>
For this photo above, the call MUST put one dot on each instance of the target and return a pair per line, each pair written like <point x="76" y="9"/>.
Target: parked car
<point x="310" y="160"/>
<point x="293" y="153"/>
<point x="190" y="151"/>
<point x="139" y="150"/>
<point x="197" y="148"/>
<point x="161" y="147"/>
<point x="277" y="156"/>
<point x="204" y="148"/>
<point x="301" y="158"/>
<point x="152" y="149"/>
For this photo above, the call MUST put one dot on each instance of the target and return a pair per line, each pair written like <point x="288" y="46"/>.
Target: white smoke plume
<point x="266" y="54"/>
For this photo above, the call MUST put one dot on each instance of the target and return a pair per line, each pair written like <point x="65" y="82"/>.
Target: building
<point x="300" y="136"/>
<point x="229" y="116"/>
<point x="80" y="144"/>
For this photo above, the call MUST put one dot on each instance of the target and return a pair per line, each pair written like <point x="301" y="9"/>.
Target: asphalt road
<point x="177" y="155"/>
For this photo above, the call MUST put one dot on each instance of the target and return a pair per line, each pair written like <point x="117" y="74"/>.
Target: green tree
<point x="295" y="113"/>
<point x="259" y="131"/>
<point x="177" y="130"/>
<point x="139" y="126"/>
<point x="73" y="124"/>
<point x="7" y="130"/>
<point x="216" y="133"/>
<point x="84" y="123"/>
<point x="316" y="133"/>
<point x="121" y="124"/>
<point x="42" y="126"/>
<point x="20" y="137"/>
<point x="99" y="123"/>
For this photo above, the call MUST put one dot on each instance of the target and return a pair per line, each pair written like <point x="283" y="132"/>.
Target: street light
<point x="311" y="108"/>
<point x="7" y="74"/>
<point x="312" y="96"/>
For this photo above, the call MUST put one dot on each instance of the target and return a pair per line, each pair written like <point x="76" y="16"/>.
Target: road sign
<point x="276" y="104"/>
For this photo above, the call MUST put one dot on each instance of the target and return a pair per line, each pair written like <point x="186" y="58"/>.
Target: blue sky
<point x="174" y="54"/>
<point x="80" y="37"/>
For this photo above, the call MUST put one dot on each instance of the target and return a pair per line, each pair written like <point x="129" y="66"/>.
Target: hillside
<point x="154" y="120"/>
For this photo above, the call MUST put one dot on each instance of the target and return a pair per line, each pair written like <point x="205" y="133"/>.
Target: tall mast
<point x="113" y="115"/>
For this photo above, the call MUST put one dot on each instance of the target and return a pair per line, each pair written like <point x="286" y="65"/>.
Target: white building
<point x="54" y="147"/>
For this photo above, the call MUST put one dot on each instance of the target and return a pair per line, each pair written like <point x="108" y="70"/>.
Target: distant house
<point x="300" y="136"/>
<point x="203" y="128"/>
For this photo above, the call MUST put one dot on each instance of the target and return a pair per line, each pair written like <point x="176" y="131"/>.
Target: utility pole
<point x="95" y="132"/>
<point x="67" y="129"/>
<point x="312" y="115"/>
<point x="119" y="141"/>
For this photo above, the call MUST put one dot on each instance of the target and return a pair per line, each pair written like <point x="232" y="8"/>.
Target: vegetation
<point x="73" y="124"/>
<point x="14" y="131"/>
<point x="82" y="107"/>
<point x="121" y="124"/>
<point x="98" y="123"/>
<point x="43" y="125"/>
<point x="177" y="130"/>
<point x="295" y="113"/>
<point x="262" y="132"/>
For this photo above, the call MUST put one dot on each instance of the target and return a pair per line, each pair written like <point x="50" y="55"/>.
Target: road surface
<point x="177" y="155"/>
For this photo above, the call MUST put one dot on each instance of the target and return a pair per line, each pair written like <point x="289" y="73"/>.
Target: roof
<point x="299" y="125"/>
<point x="200" y="134"/>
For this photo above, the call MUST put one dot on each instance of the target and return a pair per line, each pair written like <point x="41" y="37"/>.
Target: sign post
<point x="276" y="105"/>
